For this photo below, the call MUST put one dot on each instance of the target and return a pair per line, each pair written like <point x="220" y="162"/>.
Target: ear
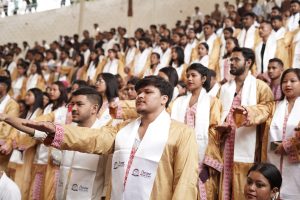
<point x="203" y="79"/>
<point x="94" y="108"/>
<point x="275" y="193"/>
<point x="164" y="99"/>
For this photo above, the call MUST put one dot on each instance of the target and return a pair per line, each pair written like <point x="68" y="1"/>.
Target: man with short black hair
<point x="154" y="157"/>
<point x="241" y="146"/>
<point x="275" y="69"/>
<point x="142" y="59"/>
<point x="292" y="22"/>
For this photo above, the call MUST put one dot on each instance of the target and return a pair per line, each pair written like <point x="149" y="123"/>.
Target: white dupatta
<point x="179" y="108"/>
<point x="143" y="170"/>
<point x="290" y="186"/>
<point x="245" y="138"/>
<point x="270" y="51"/>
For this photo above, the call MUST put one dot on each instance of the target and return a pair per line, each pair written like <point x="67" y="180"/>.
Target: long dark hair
<point x="203" y="71"/>
<point x="180" y="56"/>
<point x="270" y="172"/>
<point x="172" y="75"/>
<point x="63" y="98"/>
<point x="290" y="70"/>
<point x="96" y="61"/>
<point x="38" y="101"/>
<point x="112" y="85"/>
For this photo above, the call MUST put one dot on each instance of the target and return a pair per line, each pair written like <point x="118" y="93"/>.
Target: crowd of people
<point x="206" y="110"/>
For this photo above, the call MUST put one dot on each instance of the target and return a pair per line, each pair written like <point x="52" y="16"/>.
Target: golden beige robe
<point x="21" y="173"/>
<point x="177" y="171"/>
<point x="240" y="170"/>
<point x="7" y="132"/>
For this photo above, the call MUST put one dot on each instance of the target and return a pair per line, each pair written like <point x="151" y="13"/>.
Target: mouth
<point x="251" y="196"/>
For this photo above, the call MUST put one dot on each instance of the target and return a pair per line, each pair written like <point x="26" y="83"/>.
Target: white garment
<point x="165" y="58"/>
<point x="130" y="55"/>
<point x="81" y="180"/>
<point x="292" y="23"/>
<point x="32" y="81"/>
<point x="245" y="137"/>
<point x="179" y="108"/>
<point x="86" y="55"/>
<point x="143" y="169"/>
<point x="111" y="66"/>
<point x="91" y="70"/>
<point x="203" y="61"/>
<point x="210" y="42"/>
<point x="140" y="61"/>
<point x="270" y="51"/>
<point x="290" y="189"/>
<point x="280" y="33"/>
<point x="296" y="56"/>
<point x="8" y="189"/>
<point x="214" y="90"/>
<point x="179" y="70"/>
<point x="17" y="86"/>
<point x="11" y="67"/>
<point x="3" y="103"/>
<point x="188" y="51"/>
<point x="246" y="38"/>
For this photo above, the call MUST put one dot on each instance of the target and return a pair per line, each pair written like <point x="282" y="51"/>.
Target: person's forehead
<point x="76" y="98"/>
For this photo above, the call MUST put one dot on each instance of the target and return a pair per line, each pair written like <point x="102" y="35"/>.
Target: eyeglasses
<point x="100" y="80"/>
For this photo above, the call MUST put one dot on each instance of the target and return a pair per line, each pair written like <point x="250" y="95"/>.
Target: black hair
<point x="270" y="172"/>
<point x="7" y="81"/>
<point x="146" y="40"/>
<point x="290" y="70"/>
<point x="112" y="85"/>
<point x="38" y="68"/>
<point x="277" y="60"/>
<point x="203" y="71"/>
<point x="295" y="1"/>
<point x="161" y="84"/>
<point x="229" y="29"/>
<point x="249" y="14"/>
<point x="276" y="8"/>
<point x="157" y="54"/>
<point x="205" y="45"/>
<point x="180" y="55"/>
<point x="209" y="24"/>
<point x="92" y="95"/>
<point x="163" y="39"/>
<point x="248" y="54"/>
<point x="133" y="80"/>
<point x="80" y="83"/>
<point x="172" y="75"/>
<point x="277" y="17"/>
<point x="63" y="98"/>
<point x="212" y="73"/>
<point x="38" y="101"/>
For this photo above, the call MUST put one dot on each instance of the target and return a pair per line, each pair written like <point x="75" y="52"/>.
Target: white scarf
<point x="91" y="70"/>
<point x="214" y="90"/>
<point x="111" y="66"/>
<point x="140" y="61"/>
<point x="8" y="189"/>
<point x="246" y="37"/>
<point x="203" y="61"/>
<point x="210" y="41"/>
<point x="3" y="103"/>
<point x="179" y="70"/>
<point x="270" y="51"/>
<point x="17" y="85"/>
<point x="245" y="138"/>
<point x="165" y="58"/>
<point x="291" y="182"/>
<point x="188" y="51"/>
<point x="130" y="55"/>
<point x="296" y="57"/>
<point x="145" y="163"/>
<point x="179" y="108"/>
<point x="77" y="178"/>
<point x="280" y="33"/>
<point x="32" y="81"/>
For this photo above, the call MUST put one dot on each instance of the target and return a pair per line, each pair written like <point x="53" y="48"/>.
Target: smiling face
<point x="257" y="187"/>
<point x="291" y="85"/>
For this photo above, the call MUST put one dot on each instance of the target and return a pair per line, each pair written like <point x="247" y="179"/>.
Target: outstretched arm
<point x="86" y="140"/>
<point x="17" y="123"/>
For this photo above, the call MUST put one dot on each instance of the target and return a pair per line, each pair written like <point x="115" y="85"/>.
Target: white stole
<point x="188" y="51"/>
<point x="17" y="86"/>
<point x="270" y="51"/>
<point x="210" y="41"/>
<point x="145" y="163"/>
<point x="165" y="58"/>
<point x="11" y="67"/>
<point x="246" y="37"/>
<point x="111" y="66"/>
<point x="32" y="81"/>
<point x="214" y="90"/>
<point x="130" y="55"/>
<point x="179" y="108"/>
<point x="296" y="56"/>
<point x="3" y="103"/>
<point x="140" y="61"/>
<point x="280" y="33"/>
<point x="203" y="61"/>
<point x="245" y="137"/>
<point x="179" y="70"/>
<point x="291" y="182"/>
<point x="91" y="70"/>
<point x="77" y="178"/>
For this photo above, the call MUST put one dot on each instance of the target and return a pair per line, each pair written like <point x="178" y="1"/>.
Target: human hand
<point x="2" y="116"/>
<point x="46" y="127"/>
<point x="6" y="149"/>
<point x="279" y="149"/>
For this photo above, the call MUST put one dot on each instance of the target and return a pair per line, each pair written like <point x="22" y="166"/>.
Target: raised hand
<point x="239" y="110"/>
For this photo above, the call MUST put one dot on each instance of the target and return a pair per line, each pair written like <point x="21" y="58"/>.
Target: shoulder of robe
<point x="179" y="127"/>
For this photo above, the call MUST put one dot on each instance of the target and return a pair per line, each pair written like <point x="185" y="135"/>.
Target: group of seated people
<point x="196" y="112"/>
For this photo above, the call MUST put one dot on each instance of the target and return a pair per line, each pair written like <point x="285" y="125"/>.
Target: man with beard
<point x="142" y="58"/>
<point x="239" y="143"/>
<point x="154" y="157"/>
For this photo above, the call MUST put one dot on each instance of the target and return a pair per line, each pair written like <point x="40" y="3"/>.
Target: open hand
<point x="46" y="127"/>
